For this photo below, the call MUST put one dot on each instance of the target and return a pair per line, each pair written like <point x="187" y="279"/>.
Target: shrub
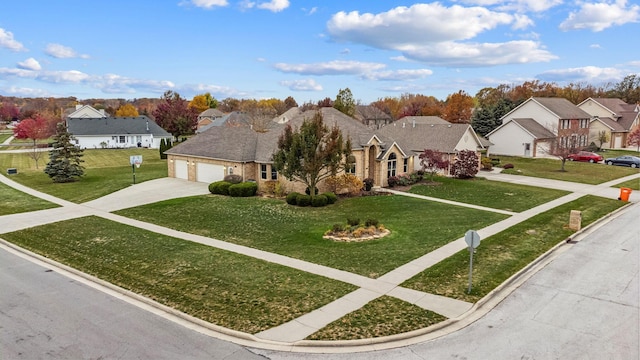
<point x="487" y="164"/>
<point x="495" y="161"/>
<point x="319" y="201"/>
<point x="508" y="166"/>
<point x="393" y="181"/>
<point x="337" y="228"/>
<point x="303" y="200"/>
<point x="245" y="189"/>
<point x="368" y="184"/>
<point x="331" y="197"/>
<point x="232" y="178"/>
<point x="291" y="198"/>
<point x="353" y="221"/>
<point x="466" y="165"/>
<point x="371" y="222"/>
<point x="353" y="184"/>
<point x="404" y="180"/>
<point x="220" y="187"/>
<point x="308" y="192"/>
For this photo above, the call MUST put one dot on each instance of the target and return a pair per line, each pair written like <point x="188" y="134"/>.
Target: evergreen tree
<point x="64" y="158"/>
<point x="163" y="148"/>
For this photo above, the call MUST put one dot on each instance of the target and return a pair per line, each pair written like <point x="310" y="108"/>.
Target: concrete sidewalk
<point x="369" y="289"/>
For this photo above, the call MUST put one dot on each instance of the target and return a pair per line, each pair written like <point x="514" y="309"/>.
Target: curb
<point x="477" y="311"/>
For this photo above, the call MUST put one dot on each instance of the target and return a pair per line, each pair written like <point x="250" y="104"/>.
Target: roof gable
<point x="87" y="111"/>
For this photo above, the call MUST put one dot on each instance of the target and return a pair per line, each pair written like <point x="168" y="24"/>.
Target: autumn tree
<point x="603" y="137"/>
<point x="203" y="102"/>
<point x="628" y="89"/>
<point x="433" y="161"/>
<point x="465" y="165"/>
<point x="345" y="103"/>
<point x="259" y="114"/>
<point x="64" y="158"/>
<point x="326" y="102"/>
<point x="562" y="147"/>
<point x="312" y="153"/>
<point x="634" y="138"/>
<point x="175" y="116"/>
<point x="36" y="128"/>
<point x="229" y="105"/>
<point x="8" y="112"/>
<point x="127" y="110"/>
<point x="290" y="102"/>
<point x="458" y="108"/>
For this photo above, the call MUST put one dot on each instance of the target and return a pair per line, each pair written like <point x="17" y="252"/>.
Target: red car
<point x="585" y="156"/>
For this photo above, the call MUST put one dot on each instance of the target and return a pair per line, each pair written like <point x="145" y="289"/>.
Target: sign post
<point x="135" y="161"/>
<point x="473" y="240"/>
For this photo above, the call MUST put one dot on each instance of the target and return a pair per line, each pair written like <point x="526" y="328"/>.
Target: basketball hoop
<point x="137" y="163"/>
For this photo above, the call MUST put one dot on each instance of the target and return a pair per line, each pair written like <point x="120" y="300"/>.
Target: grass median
<point x="417" y="227"/>
<point x="479" y="191"/>
<point x="224" y="288"/>
<point x="500" y="256"/>
<point x="15" y="201"/>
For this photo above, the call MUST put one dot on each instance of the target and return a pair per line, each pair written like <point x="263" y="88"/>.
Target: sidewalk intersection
<point x="369" y="289"/>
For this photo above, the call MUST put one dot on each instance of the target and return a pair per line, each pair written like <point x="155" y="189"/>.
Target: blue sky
<point x="309" y="49"/>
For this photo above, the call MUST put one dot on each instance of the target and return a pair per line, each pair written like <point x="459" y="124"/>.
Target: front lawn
<point x="15" y="201"/>
<point x="581" y="172"/>
<point x="479" y="191"/>
<point x="417" y="227"/>
<point x="224" y="288"/>
<point x="500" y="256"/>
<point x="106" y="171"/>
<point x="632" y="184"/>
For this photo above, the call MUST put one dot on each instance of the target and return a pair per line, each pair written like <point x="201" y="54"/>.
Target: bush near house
<point x="245" y="189"/>
<point x="220" y="187"/>
<point x="292" y="198"/>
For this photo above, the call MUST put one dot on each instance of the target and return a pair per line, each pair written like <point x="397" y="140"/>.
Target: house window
<point x="584" y="123"/>
<point x="122" y="139"/>
<point x="263" y="171"/>
<point x="564" y="124"/>
<point x="405" y="167"/>
<point x="351" y="168"/>
<point x="274" y="173"/>
<point x="391" y="165"/>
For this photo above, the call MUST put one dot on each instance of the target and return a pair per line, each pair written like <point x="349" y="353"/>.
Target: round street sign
<point x="472" y="238"/>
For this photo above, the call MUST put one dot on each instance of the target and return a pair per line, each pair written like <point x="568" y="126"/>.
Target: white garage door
<point x="181" y="169"/>
<point x="209" y="173"/>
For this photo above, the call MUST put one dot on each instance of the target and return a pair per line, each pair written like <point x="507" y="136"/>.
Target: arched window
<point x="391" y="165"/>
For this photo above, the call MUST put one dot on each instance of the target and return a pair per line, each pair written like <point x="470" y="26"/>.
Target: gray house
<point x="116" y="132"/>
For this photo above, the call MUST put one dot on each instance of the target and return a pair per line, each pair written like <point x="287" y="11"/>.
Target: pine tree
<point x="64" y="158"/>
<point x="163" y="148"/>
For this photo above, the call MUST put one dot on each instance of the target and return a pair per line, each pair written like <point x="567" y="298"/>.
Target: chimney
<point x="147" y="125"/>
<point x="403" y="124"/>
<point x="414" y="123"/>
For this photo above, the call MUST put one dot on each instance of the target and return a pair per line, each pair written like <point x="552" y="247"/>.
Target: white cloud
<point x="586" y="74"/>
<point x="63" y="52"/>
<point x="30" y="64"/>
<point x="453" y="54"/>
<point x="274" y="5"/>
<point x="7" y="41"/>
<point x="302" y="85"/>
<point x="516" y="5"/>
<point x="595" y="46"/>
<point x="599" y="16"/>
<point x="26" y="92"/>
<point x="335" y="67"/>
<point x="395" y="75"/>
<point x="206" y="4"/>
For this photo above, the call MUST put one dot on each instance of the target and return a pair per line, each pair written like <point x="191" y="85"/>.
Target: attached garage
<point x="209" y="173"/>
<point x="181" y="169"/>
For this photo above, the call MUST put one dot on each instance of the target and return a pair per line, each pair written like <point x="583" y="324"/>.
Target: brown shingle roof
<point x="535" y="128"/>
<point x="440" y="137"/>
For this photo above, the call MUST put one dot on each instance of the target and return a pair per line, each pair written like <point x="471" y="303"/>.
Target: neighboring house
<point x="87" y="112"/>
<point x="372" y="116"/>
<point x="224" y="150"/>
<point x="414" y="137"/>
<point x="613" y="116"/>
<point x="116" y="132"/>
<point x="429" y="120"/>
<point x="568" y="124"/>
<point x="207" y="117"/>
<point x="287" y="115"/>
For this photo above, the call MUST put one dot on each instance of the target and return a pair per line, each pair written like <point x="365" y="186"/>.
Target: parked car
<point x="625" y="160"/>
<point x="585" y="156"/>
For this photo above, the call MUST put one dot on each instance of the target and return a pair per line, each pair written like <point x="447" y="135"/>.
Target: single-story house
<point x="116" y="132"/>
<point x="207" y="117"/>
<point x="224" y="150"/>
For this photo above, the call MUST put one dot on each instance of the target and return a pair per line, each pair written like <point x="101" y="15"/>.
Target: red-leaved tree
<point x="174" y="115"/>
<point x="466" y="164"/>
<point x="433" y="162"/>
<point x="634" y="138"/>
<point x="35" y="128"/>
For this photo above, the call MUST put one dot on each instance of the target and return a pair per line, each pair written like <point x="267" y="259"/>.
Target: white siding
<point x="113" y="141"/>
<point x="510" y="140"/>
<point x="532" y="110"/>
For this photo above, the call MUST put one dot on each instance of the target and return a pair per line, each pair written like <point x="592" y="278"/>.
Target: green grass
<point x="479" y="191"/>
<point x="502" y="255"/>
<point x="224" y="288"/>
<point x="14" y="201"/>
<point x="381" y="317"/>
<point x="4" y="137"/>
<point x="106" y="171"/>
<point x="417" y="227"/>
<point x="580" y="172"/>
<point x="632" y="184"/>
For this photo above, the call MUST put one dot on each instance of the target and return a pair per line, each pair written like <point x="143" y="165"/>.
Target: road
<point x="582" y="305"/>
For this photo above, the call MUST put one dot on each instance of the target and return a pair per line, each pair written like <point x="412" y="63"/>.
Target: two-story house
<point x="612" y="118"/>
